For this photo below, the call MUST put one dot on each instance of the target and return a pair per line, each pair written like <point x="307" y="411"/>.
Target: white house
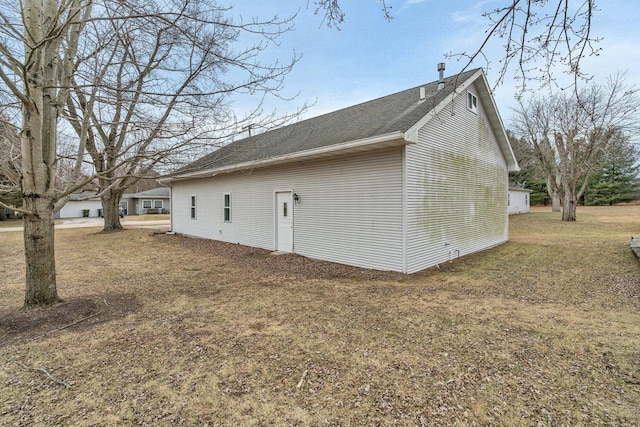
<point x="83" y="204"/>
<point x="156" y="200"/>
<point x="398" y="183"/>
<point x="518" y="200"/>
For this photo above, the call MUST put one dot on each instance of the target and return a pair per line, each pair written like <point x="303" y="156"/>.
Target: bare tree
<point x="138" y="82"/>
<point x="530" y="174"/>
<point x="10" y="159"/>
<point x="530" y="159"/>
<point x="153" y="82"/>
<point x="538" y="37"/>
<point x="11" y="165"/>
<point x="334" y="16"/>
<point x="570" y="134"/>
<point x="38" y="43"/>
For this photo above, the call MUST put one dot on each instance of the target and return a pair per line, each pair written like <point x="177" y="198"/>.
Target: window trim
<point x="226" y="207"/>
<point x="472" y="102"/>
<point x="193" y="206"/>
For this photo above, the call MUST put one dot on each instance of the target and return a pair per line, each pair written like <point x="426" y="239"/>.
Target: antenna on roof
<point x="441" y="67"/>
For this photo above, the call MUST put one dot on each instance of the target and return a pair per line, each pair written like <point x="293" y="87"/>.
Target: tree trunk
<point x="555" y="202"/>
<point x="553" y="192"/>
<point x="110" y="206"/>
<point x="569" y="205"/>
<point x="39" y="254"/>
<point x="51" y="32"/>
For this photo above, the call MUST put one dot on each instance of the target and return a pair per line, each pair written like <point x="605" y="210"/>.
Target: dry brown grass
<point x="150" y="217"/>
<point x="544" y="330"/>
<point x="7" y="223"/>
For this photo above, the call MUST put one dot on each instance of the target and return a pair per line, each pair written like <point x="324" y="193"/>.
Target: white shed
<point x="78" y="203"/>
<point x="519" y="200"/>
<point x="398" y="183"/>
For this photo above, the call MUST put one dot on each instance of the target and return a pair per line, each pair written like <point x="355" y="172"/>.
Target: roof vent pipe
<point x="441" y="67"/>
<point x="423" y="93"/>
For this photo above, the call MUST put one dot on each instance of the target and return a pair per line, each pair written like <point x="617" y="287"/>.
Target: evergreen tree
<point x="616" y="180"/>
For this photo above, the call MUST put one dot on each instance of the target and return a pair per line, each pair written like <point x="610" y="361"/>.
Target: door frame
<point x="275" y="217"/>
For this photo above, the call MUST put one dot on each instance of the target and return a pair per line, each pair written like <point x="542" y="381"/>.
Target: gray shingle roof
<point x="83" y="196"/>
<point x="393" y="113"/>
<point x="156" y="192"/>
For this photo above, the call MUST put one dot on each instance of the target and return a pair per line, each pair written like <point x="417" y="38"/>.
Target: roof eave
<point x="388" y="140"/>
<point x="499" y="129"/>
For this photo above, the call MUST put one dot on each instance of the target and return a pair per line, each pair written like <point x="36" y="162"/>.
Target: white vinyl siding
<point x="350" y="208"/>
<point x="73" y="208"/>
<point x="518" y="201"/>
<point x="456" y="188"/>
<point x="402" y="209"/>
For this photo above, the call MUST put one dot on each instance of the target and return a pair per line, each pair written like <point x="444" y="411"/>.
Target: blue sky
<point x="370" y="57"/>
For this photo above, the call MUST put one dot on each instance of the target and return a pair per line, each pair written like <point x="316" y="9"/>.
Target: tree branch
<point x="44" y="371"/>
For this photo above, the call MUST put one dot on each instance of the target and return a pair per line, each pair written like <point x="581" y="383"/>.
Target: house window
<point x="472" y="102"/>
<point x="526" y="199"/>
<point x="157" y="204"/>
<point x="508" y="199"/>
<point x="284" y="210"/>
<point x="227" y="207"/>
<point x="193" y="207"/>
<point x="146" y="204"/>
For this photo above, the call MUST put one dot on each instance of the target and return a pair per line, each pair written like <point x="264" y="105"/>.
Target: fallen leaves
<point x="196" y="332"/>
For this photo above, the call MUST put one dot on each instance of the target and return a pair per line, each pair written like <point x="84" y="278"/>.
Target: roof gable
<point x="382" y="122"/>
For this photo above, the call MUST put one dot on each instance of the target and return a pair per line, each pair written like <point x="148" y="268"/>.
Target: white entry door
<point x="284" y="221"/>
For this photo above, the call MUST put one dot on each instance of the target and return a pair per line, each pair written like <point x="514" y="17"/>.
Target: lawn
<point x="7" y="223"/>
<point x="150" y="217"/>
<point x="161" y="329"/>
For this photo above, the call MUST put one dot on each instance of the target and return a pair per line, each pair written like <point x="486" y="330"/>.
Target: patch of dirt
<point x="263" y="262"/>
<point x="77" y="314"/>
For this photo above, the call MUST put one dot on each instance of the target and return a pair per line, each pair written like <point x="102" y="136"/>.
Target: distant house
<point x="82" y="204"/>
<point x="519" y="200"/>
<point x="154" y="201"/>
<point x="400" y="183"/>
<point x="157" y="200"/>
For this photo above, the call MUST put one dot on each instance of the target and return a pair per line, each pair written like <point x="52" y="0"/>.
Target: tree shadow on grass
<point x="74" y="314"/>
